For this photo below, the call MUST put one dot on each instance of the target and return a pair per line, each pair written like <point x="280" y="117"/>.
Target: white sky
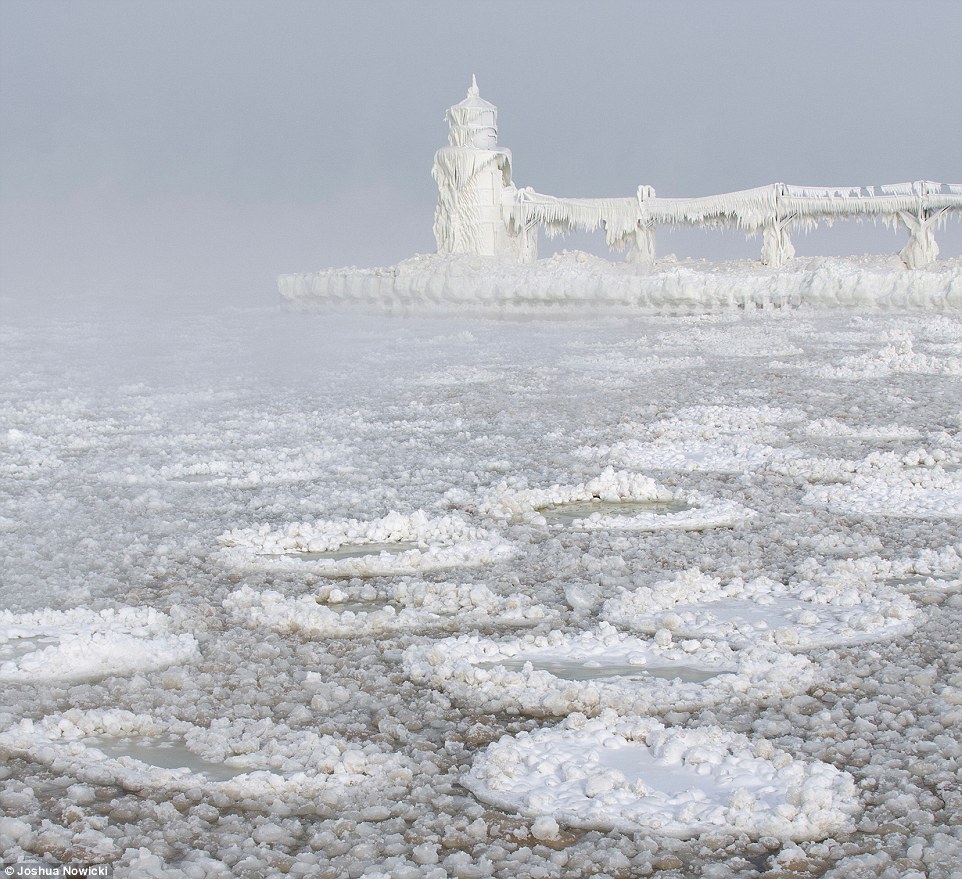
<point x="204" y="146"/>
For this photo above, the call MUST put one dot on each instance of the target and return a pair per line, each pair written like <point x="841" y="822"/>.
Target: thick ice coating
<point x="486" y="230"/>
<point x="636" y="775"/>
<point x="581" y="283"/>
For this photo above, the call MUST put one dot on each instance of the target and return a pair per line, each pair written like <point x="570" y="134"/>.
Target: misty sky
<point x="203" y="146"/>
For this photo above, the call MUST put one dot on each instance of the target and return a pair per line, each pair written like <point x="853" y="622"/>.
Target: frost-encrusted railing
<point x="773" y="210"/>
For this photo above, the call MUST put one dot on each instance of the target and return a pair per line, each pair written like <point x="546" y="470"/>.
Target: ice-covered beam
<point x="558" y="216"/>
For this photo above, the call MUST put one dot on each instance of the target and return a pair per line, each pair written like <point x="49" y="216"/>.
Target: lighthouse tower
<point x="474" y="183"/>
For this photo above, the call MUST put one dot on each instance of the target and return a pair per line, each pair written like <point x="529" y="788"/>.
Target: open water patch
<point x="578" y="512"/>
<point x="162" y="752"/>
<point x="350" y="551"/>
<point x="921" y="583"/>
<point x="593" y="670"/>
<point x="634" y="775"/>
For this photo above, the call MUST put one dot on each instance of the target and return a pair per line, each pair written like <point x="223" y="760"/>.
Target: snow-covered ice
<point x="744" y="612"/>
<point x="394" y="544"/>
<point x="50" y="645"/>
<point x="918" y="492"/>
<point x="615" y="499"/>
<point x="723" y="439"/>
<point x="179" y="707"/>
<point x="240" y="762"/>
<point x="634" y="774"/>
<point x="558" y="674"/>
<point x="336" y="612"/>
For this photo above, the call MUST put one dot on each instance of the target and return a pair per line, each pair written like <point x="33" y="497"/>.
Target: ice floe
<point x="731" y="455"/>
<point x="796" y="617"/>
<point x="231" y="761"/>
<point x="874" y="466"/>
<point x="340" y="613"/>
<point x="882" y="487"/>
<point x="715" y="438"/>
<point x="930" y="572"/>
<point x="557" y="674"/>
<point x="898" y="357"/>
<point x="613" y="500"/>
<point x="635" y="775"/>
<point x="834" y="428"/>
<point x="394" y="544"/>
<point x="80" y="644"/>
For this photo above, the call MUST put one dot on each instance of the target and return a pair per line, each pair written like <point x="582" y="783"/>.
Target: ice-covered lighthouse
<point x="475" y="190"/>
<point x="482" y="213"/>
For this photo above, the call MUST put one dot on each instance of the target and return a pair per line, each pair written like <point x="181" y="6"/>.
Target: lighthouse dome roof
<point x="474" y="100"/>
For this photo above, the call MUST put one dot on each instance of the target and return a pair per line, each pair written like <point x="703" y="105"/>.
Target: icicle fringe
<point x="774" y="210"/>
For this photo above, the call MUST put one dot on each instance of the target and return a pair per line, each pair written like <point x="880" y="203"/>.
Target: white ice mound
<point x="884" y="487"/>
<point x="394" y="544"/>
<point x="561" y="673"/>
<point x="343" y="613"/>
<point x="579" y="280"/>
<point x="234" y="761"/>
<point x="822" y="614"/>
<point x="637" y="776"/>
<point x="80" y="644"/>
<point x="615" y="499"/>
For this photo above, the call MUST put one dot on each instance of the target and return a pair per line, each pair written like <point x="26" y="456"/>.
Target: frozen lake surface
<point x="247" y="535"/>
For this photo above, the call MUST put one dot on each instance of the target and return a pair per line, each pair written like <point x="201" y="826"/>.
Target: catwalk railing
<point x="774" y="211"/>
